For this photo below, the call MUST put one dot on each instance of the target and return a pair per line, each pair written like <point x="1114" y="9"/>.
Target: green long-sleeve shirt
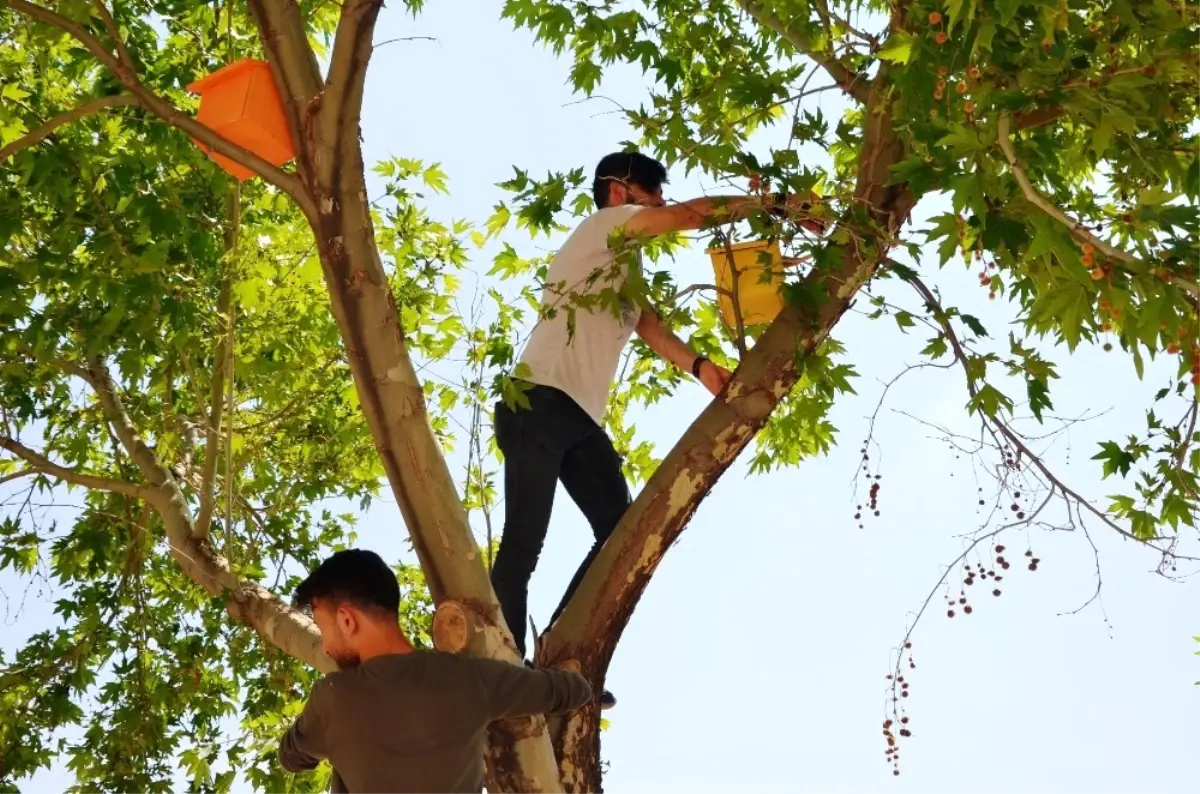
<point x="417" y="722"/>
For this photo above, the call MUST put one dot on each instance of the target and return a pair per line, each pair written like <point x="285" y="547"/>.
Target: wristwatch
<point x="696" y="366"/>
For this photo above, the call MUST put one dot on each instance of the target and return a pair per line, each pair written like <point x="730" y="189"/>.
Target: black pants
<point x="553" y="440"/>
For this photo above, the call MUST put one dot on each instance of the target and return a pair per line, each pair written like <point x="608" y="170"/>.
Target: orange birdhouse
<point x="241" y="102"/>
<point x="759" y="267"/>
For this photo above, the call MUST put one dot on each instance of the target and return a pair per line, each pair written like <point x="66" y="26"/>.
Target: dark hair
<point x="357" y="576"/>
<point x="645" y="172"/>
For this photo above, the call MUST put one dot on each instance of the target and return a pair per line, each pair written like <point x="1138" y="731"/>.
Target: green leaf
<point x="1116" y="460"/>
<point x="989" y="400"/>
<point x="435" y="177"/>
<point x="1039" y="396"/>
<point x="897" y="48"/>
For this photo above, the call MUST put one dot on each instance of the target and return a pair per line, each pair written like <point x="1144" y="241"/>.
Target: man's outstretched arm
<point x="514" y="691"/>
<point x="671" y="348"/>
<point x="699" y="212"/>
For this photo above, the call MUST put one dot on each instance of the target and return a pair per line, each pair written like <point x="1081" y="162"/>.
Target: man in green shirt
<point x="398" y="719"/>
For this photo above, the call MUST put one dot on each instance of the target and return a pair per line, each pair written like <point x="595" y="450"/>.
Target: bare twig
<point x="405" y="38"/>
<point x="1095" y="597"/>
<point x="997" y="426"/>
<point x="1186" y="441"/>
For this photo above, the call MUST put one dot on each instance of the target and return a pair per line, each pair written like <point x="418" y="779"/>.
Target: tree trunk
<point x="329" y="162"/>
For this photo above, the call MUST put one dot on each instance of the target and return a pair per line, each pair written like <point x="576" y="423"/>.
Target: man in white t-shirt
<point x="587" y="318"/>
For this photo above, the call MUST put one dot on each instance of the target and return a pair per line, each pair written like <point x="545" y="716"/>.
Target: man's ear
<point x="617" y="194"/>
<point x="347" y="621"/>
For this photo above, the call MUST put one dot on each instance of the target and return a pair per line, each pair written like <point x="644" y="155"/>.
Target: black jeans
<point x="553" y="440"/>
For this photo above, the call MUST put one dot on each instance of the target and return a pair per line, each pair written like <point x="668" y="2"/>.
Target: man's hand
<point x="802" y="209"/>
<point x="714" y="377"/>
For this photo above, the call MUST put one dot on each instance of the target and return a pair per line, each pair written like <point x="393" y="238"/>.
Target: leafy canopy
<point x="118" y="245"/>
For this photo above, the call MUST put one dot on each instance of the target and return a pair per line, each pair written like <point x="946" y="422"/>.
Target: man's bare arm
<point x="693" y="214"/>
<point x="698" y="212"/>
<point x="668" y="346"/>
<point x="664" y="342"/>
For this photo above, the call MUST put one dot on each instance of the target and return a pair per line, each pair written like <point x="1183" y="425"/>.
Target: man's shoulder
<point x="610" y="218"/>
<point x="592" y="237"/>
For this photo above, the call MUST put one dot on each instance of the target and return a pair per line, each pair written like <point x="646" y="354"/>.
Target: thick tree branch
<point x="86" y="109"/>
<point x="341" y="104"/>
<point x="851" y="82"/>
<point x="95" y="374"/>
<point x="44" y="465"/>
<point x="124" y="72"/>
<point x="1037" y="118"/>
<point x="1077" y="230"/>
<point x="16" y="475"/>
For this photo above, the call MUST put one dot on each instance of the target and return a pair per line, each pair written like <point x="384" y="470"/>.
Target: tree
<point x="1073" y="178"/>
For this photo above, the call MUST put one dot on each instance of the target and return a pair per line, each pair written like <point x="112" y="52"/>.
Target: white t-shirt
<point x="577" y="351"/>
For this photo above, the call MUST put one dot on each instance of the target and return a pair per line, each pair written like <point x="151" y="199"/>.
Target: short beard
<point x="346" y="659"/>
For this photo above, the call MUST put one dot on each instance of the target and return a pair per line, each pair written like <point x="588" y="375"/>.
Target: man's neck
<point x="386" y="646"/>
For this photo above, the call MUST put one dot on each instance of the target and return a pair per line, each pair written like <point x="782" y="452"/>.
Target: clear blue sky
<point x="756" y="659"/>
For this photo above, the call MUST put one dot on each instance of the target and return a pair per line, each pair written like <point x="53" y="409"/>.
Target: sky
<point x="756" y="658"/>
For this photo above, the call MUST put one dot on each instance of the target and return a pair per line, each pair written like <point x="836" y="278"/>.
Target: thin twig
<point x="86" y="109"/>
<point x="43" y="464"/>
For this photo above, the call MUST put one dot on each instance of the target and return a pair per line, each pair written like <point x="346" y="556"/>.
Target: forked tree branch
<point x="86" y="109"/>
<point x="125" y="73"/>
<point x="592" y="621"/>
<point x="41" y="463"/>
<point x="1077" y="230"/>
<point x="280" y="625"/>
<point x="851" y="82"/>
